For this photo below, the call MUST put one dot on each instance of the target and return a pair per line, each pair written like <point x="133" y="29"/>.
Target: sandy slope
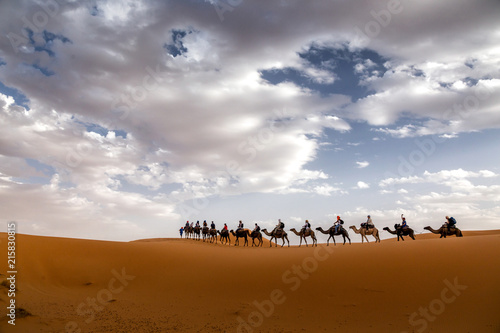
<point x="171" y="285"/>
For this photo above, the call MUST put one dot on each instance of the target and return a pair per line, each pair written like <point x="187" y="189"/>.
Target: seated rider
<point x="191" y="225"/>
<point x="306" y="226"/>
<point x="187" y="225"/>
<point x="279" y="226"/>
<point x="225" y="227"/>
<point x="197" y="224"/>
<point x="368" y="224"/>
<point x="212" y="226"/>
<point x="257" y="228"/>
<point x="337" y="224"/>
<point x="205" y="223"/>
<point x="240" y="226"/>
<point x="404" y="225"/>
<point x="450" y="222"/>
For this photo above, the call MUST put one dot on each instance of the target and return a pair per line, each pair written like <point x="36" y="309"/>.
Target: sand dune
<point x="173" y="285"/>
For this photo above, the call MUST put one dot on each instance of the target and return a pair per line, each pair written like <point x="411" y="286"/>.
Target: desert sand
<point x="179" y="285"/>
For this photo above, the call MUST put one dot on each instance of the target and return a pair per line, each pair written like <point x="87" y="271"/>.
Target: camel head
<point x="427" y="228"/>
<point x="386" y="228"/>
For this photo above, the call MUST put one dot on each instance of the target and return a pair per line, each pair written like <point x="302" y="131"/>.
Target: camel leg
<point x="305" y="240"/>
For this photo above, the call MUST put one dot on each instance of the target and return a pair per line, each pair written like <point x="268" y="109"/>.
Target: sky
<point x="122" y="120"/>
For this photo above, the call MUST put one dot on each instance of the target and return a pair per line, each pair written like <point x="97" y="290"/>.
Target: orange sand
<point x="173" y="285"/>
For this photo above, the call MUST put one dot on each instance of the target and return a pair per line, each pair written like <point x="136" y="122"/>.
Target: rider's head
<point x="447" y="217"/>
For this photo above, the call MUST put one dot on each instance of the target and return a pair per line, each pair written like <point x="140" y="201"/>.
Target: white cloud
<point x="362" y="164"/>
<point x="362" y="185"/>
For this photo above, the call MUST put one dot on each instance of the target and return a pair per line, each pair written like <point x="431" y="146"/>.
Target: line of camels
<point x="213" y="235"/>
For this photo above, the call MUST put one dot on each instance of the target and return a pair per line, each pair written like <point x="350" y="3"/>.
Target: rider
<point x="279" y="226"/>
<point x="240" y="226"/>
<point x="187" y="225"/>
<point x="338" y="223"/>
<point x="403" y="222"/>
<point x="369" y="223"/>
<point x="257" y="228"/>
<point x="191" y="225"/>
<point x="306" y="226"/>
<point x="212" y="226"/>
<point x="205" y="223"/>
<point x="225" y="227"/>
<point x="450" y="222"/>
<point x="197" y="224"/>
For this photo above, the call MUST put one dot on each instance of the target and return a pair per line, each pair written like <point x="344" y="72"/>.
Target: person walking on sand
<point x="181" y="230"/>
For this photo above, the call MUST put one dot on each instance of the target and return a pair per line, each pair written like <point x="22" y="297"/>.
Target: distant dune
<point x="174" y="285"/>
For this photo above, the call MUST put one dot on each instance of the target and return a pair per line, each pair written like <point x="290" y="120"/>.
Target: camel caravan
<point x="212" y="235"/>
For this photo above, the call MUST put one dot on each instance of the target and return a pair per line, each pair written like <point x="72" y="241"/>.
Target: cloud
<point x="362" y="185"/>
<point x="362" y="164"/>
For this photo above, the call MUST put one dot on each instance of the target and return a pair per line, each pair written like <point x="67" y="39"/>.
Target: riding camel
<point x="401" y="232"/>
<point x="204" y="233"/>
<point x="444" y="231"/>
<point x="305" y="233"/>
<point x="240" y="233"/>
<point x="280" y="234"/>
<point x="372" y="231"/>
<point x="189" y="232"/>
<point x="256" y="235"/>
<point x="196" y="233"/>
<point x="213" y="235"/>
<point x="331" y="232"/>
<point x="224" y="234"/>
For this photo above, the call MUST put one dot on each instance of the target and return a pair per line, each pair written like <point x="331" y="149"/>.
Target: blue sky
<point x="121" y="120"/>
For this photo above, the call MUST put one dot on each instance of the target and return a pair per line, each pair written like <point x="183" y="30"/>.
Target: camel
<point x="401" y="232"/>
<point x="258" y="235"/>
<point x="280" y="234"/>
<point x="240" y="233"/>
<point x="372" y="231"/>
<point x="189" y="232"/>
<point x="331" y="232"/>
<point x="196" y="232"/>
<point x="213" y="235"/>
<point x="305" y="233"/>
<point x="444" y="231"/>
<point x="204" y="233"/>
<point x="224" y="234"/>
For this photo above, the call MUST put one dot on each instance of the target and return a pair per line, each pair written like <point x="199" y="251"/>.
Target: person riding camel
<point x="279" y="227"/>
<point x="337" y="224"/>
<point x="306" y="226"/>
<point x="187" y="225"/>
<point x="240" y="226"/>
<point x="191" y="225"/>
<point x="197" y="224"/>
<point x="205" y="223"/>
<point x="450" y="222"/>
<point x="225" y="227"/>
<point x="404" y="225"/>
<point x="368" y="224"/>
<point x="212" y="226"/>
<point x="256" y="229"/>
